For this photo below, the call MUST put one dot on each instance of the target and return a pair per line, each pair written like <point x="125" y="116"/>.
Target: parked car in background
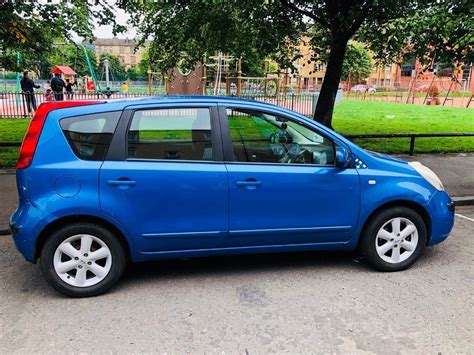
<point x="363" y="88"/>
<point x="423" y="88"/>
<point x="104" y="183"/>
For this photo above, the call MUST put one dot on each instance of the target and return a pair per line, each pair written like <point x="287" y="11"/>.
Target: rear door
<point x="165" y="179"/>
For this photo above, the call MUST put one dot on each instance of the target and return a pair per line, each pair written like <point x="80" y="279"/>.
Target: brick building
<point x="122" y="48"/>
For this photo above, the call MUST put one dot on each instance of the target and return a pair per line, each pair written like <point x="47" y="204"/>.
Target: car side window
<point x="90" y="135"/>
<point x="171" y="133"/>
<point x="259" y="137"/>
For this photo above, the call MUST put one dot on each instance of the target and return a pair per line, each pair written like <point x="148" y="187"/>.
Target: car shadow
<point x="240" y="265"/>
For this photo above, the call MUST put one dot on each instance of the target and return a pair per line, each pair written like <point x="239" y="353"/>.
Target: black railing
<point x="412" y="137"/>
<point x="353" y="137"/>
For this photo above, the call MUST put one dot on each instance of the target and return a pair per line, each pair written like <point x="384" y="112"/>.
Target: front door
<point x="283" y="185"/>
<point x="170" y="191"/>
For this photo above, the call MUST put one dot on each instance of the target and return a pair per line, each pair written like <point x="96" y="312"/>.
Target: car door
<point x="164" y="178"/>
<point x="284" y="187"/>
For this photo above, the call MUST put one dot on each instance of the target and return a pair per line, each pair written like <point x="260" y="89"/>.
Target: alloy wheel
<point x="82" y="260"/>
<point x="396" y="240"/>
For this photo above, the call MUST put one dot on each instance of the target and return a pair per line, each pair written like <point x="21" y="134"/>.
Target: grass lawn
<point x="371" y="117"/>
<point x="350" y="117"/>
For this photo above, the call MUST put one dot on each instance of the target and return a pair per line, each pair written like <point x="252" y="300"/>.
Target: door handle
<point x="121" y="182"/>
<point x="248" y="183"/>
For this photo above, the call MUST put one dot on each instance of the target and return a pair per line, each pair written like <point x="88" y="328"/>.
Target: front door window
<point x="259" y="137"/>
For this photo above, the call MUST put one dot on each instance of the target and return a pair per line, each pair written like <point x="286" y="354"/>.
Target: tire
<point x="82" y="260"/>
<point x="401" y="252"/>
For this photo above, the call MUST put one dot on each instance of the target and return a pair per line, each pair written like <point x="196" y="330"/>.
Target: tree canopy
<point x="357" y="63"/>
<point x="32" y="27"/>
<point x="431" y="29"/>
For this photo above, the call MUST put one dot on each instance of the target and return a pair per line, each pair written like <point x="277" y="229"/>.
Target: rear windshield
<point x="90" y="135"/>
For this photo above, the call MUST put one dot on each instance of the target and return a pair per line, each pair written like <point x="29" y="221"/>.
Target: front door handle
<point x="249" y="183"/>
<point x="121" y="182"/>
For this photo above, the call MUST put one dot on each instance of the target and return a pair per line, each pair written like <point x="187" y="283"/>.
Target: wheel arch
<point x="62" y="221"/>
<point x="402" y="203"/>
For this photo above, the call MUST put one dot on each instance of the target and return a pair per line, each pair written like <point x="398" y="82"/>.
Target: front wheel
<point x="394" y="239"/>
<point x="82" y="260"/>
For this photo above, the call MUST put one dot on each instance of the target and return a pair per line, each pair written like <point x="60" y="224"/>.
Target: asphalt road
<point x="310" y="302"/>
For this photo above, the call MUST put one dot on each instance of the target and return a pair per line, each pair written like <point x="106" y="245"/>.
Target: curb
<point x="4" y="231"/>
<point x="464" y="201"/>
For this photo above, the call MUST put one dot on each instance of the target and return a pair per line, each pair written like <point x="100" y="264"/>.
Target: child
<point x="48" y="95"/>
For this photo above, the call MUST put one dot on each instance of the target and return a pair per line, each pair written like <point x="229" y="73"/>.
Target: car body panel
<point x="187" y="208"/>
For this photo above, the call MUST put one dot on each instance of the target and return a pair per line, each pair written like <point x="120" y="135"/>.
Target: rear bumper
<point x="441" y="209"/>
<point x="25" y="224"/>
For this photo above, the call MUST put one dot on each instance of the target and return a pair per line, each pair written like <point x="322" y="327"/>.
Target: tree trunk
<point x="327" y="95"/>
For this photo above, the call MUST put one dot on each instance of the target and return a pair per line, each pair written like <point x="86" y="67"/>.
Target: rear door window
<point x="171" y="134"/>
<point x="90" y="135"/>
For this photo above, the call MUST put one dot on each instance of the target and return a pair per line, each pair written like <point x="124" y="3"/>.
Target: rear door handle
<point x="121" y="182"/>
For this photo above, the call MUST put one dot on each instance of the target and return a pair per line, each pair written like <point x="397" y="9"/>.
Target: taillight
<point x="31" y="139"/>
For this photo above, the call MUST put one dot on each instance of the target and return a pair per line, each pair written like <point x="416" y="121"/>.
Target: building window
<point x="407" y="69"/>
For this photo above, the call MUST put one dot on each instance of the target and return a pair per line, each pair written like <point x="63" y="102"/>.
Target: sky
<point x="106" y="31"/>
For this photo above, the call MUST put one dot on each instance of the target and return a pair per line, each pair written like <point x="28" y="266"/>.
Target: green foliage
<point x="196" y="28"/>
<point x="31" y="27"/>
<point x="144" y="64"/>
<point x="70" y="55"/>
<point x="356" y="61"/>
<point x="433" y="31"/>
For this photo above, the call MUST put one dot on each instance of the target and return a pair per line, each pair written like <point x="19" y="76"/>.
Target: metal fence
<point x="20" y="105"/>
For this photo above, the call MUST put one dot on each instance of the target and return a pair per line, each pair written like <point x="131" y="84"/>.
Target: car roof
<point x="121" y="104"/>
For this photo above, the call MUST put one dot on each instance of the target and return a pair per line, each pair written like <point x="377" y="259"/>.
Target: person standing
<point x="57" y="85"/>
<point x="28" y="89"/>
<point x="69" y="91"/>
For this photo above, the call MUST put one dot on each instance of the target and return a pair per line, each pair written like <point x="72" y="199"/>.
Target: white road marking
<point x="469" y="219"/>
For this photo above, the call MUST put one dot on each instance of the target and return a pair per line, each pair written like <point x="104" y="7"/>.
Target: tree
<point x="31" y="27"/>
<point x="194" y="28"/>
<point x="357" y="62"/>
<point x="144" y="65"/>
<point x="70" y="55"/>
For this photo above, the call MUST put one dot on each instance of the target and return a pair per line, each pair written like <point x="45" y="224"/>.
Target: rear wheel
<point x="82" y="260"/>
<point x="394" y="239"/>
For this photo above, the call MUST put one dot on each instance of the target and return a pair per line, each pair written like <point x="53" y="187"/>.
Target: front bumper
<point x="441" y="209"/>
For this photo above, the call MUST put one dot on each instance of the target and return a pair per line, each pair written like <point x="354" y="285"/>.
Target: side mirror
<point x="343" y="157"/>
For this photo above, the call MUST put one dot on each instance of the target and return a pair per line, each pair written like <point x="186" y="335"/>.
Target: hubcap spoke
<point x="99" y="254"/>
<point x="408" y="246"/>
<point x="383" y="249"/>
<point x="396" y="226"/>
<point x="407" y="231"/>
<point x="86" y="242"/>
<point x="97" y="270"/>
<point x="396" y="254"/>
<point x="69" y="250"/>
<point x="80" y="276"/>
<point x="383" y="234"/>
<point x="66" y="266"/>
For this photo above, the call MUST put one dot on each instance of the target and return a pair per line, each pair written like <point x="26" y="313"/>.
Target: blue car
<point x="102" y="184"/>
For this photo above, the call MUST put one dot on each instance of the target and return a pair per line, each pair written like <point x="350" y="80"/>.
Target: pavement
<point x="279" y="303"/>
<point x="455" y="170"/>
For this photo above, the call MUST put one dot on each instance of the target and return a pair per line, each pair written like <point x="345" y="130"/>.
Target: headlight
<point x="428" y="174"/>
